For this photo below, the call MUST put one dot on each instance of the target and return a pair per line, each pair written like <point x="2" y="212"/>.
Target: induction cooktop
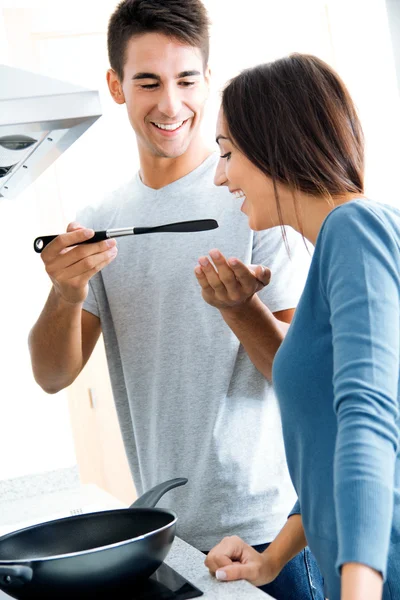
<point x="164" y="584"/>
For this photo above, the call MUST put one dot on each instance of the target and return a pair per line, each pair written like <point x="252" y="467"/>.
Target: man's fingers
<point x="64" y="240"/>
<point x="74" y="225"/>
<point x="75" y="255"/>
<point x="82" y="278"/>
<point x="91" y="263"/>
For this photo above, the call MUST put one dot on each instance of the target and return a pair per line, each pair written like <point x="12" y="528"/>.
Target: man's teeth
<point x="239" y="194"/>
<point x="170" y="127"/>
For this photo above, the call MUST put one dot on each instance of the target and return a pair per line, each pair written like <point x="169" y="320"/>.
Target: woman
<point x="292" y="148"/>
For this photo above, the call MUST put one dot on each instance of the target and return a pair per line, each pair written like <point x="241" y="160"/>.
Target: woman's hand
<point x="229" y="283"/>
<point x="233" y="559"/>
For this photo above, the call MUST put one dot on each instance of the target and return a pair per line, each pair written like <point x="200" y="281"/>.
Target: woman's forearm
<point x="258" y="331"/>
<point x="360" y="582"/>
<point x="288" y="543"/>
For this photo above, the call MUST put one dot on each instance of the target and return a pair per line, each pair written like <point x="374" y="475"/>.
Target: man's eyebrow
<point x="158" y="78"/>
<point x="222" y="137"/>
<point x="146" y="76"/>
<point x="188" y="74"/>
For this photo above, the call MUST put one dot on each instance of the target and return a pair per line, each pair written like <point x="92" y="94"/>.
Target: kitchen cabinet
<point x="98" y="442"/>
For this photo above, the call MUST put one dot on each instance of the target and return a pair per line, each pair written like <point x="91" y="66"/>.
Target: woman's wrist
<point x="273" y="561"/>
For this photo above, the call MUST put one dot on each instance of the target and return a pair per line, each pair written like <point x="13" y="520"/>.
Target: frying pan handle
<point x="14" y="575"/>
<point x="149" y="499"/>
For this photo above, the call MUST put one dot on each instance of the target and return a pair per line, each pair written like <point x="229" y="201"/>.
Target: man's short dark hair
<point x="183" y="20"/>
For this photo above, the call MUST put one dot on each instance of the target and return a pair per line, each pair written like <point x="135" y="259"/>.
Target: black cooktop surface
<point x="164" y="584"/>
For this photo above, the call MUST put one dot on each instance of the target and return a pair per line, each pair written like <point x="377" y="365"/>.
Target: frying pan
<point x="94" y="555"/>
<point x="182" y="227"/>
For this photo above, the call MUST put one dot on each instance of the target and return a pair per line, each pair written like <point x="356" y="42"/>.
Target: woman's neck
<point x="313" y="211"/>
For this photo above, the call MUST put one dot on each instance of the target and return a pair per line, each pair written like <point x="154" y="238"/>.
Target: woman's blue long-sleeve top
<point x="337" y="379"/>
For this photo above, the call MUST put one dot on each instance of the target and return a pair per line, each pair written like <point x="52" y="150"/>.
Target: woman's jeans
<point x="300" y="579"/>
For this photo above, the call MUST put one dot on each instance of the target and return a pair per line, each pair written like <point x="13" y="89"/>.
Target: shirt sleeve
<point x="295" y="510"/>
<point x="359" y="274"/>
<point x="90" y="304"/>
<point x="289" y="270"/>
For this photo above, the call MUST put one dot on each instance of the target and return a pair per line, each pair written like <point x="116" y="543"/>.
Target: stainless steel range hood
<point x="40" y="117"/>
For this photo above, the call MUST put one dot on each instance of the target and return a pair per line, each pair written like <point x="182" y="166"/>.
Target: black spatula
<point x="182" y="227"/>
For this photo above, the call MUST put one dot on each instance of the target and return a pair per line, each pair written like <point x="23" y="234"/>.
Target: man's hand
<point x="229" y="283"/>
<point x="233" y="559"/>
<point x="71" y="268"/>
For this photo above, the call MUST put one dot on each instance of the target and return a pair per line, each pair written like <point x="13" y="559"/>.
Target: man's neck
<point x="156" y="172"/>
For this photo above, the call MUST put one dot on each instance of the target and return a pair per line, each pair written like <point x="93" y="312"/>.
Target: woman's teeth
<point x="170" y="127"/>
<point x="238" y="194"/>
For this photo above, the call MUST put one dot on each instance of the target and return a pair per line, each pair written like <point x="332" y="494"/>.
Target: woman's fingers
<point x="202" y="279"/>
<point x="233" y="559"/>
<point x="252" y="279"/>
<point x="223" y="280"/>
<point x="262" y="273"/>
<point x="225" y="272"/>
<point x="232" y="276"/>
<point x="235" y="571"/>
<point x="228" y="549"/>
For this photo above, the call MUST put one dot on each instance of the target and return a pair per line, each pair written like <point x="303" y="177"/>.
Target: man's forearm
<point x="258" y="330"/>
<point x="55" y="344"/>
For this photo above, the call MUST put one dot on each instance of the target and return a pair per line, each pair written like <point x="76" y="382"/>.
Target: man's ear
<point x="115" y="87"/>
<point x="207" y="77"/>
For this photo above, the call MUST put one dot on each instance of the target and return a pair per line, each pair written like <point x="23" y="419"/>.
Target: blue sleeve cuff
<point x="370" y="521"/>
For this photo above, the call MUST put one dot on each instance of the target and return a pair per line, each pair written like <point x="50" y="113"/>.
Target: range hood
<point x="40" y="117"/>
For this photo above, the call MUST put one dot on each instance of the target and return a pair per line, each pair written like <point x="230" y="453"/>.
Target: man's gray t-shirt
<point x="190" y="402"/>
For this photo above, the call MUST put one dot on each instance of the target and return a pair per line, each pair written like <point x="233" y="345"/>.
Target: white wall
<point x="68" y="41"/>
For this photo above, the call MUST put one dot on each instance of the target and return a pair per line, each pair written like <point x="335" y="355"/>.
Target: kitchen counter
<point x="182" y="557"/>
<point x="189" y="562"/>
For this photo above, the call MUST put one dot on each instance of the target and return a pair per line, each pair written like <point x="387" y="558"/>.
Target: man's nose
<point x="220" y="176"/>
<point x="170" y="102"/>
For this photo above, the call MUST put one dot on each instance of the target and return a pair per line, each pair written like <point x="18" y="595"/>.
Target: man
<point x="189" y="401"/>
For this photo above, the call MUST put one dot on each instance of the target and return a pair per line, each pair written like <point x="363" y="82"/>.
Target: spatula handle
<point x="41" y="242"/>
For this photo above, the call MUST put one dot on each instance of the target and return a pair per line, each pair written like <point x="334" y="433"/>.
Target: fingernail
<point x="220" y="575"/>
<point x="113" y="251"/>
<point x="198" y="270"/>
<point x="233" y="262"/>
<point x="204" y="261"/>
<point x="111" y="243"/>
<point x="89" y="233"/>
<point x="215" y="254"/>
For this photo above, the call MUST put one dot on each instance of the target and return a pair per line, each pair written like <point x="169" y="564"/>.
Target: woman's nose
<point x="220" y="175"/>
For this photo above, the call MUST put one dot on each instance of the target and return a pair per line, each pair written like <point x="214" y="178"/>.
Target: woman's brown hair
<point x="294" y="119"/>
